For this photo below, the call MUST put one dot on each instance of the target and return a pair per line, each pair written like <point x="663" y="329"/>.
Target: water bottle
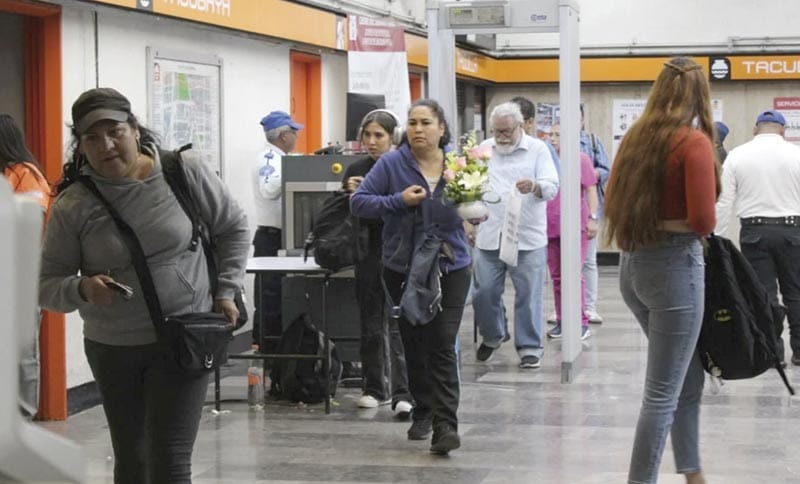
<point x="255" y="383"/>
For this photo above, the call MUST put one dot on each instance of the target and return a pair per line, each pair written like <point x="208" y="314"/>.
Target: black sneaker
<point x="444" y="440"/>
<point x="484" y="353"/>
<point x="530" y="361"/>
<point x="420" y="429"/>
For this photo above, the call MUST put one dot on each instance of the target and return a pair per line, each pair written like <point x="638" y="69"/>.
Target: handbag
<point x="198" y="342"/>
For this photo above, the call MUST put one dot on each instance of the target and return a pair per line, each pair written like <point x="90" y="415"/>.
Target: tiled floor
<point x="517" y="426"/>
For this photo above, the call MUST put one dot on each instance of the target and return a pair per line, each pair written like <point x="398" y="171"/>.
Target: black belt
<point x="789" y="221"/>
<point x="268" y="229"/>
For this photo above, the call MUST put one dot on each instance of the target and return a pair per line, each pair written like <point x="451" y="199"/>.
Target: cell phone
<point x="125" y="291"/>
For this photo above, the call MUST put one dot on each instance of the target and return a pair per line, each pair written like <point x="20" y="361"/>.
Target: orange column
<point x="44" y="130"/>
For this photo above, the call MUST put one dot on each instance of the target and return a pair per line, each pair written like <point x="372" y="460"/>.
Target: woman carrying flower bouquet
<point x="405" y="188"/>
<point x="378" y="132"/>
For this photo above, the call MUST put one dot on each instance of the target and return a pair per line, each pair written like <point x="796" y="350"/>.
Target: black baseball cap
<point x="97" y="105"/>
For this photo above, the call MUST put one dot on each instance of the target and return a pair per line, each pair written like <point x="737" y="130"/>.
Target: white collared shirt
<point x="760" y="178"/>
<point x="530" y="160"/>
<point x="267" y="189"/>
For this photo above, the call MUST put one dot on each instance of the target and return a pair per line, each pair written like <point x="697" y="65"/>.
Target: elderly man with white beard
<point x="520" y="164"/>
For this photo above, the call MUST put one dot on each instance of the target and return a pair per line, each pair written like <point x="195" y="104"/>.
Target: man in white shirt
<point x="523" y="164"/>
<point x="281" y="134"/>
<point x="761" y="179"/>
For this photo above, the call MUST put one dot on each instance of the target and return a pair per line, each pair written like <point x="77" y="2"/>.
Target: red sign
<point x="375" y="35"/>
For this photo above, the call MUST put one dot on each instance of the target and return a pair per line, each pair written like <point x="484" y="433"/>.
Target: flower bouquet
<point x="466" y="176"/>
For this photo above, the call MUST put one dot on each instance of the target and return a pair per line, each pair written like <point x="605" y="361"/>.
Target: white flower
<point x="471" y="181"/>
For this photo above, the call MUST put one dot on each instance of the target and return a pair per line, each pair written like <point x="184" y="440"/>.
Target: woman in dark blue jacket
<point x="405" y="188"/>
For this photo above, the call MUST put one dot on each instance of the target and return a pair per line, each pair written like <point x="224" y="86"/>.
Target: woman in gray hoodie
<point x="152" y="407"/>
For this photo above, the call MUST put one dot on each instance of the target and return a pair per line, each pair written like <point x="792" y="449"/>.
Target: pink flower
<point x="449" y="175"/>
<point x="461" y="162"/>
<point x="485" y="152"/>
<point x="474" y="152"/>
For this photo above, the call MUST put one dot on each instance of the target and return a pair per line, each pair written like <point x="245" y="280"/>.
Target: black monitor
<point x="358" y="105"/>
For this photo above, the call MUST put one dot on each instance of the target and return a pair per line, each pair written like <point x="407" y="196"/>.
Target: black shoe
<point x="530" y="361"/>
<point x="507" y="337"/>
<point x="796" y="360"/>
<point x="484" y="353"/>
<point x="445" y="439"/>
<point x="420" y="429"/>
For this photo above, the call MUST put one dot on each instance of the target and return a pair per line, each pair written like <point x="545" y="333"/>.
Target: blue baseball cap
<point x="771" y="117"/>
<point x="722" y="130"/>
<point x="276" y="119"/>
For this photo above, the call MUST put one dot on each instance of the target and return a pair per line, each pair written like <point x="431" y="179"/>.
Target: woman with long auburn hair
<point x="659" y="206"/>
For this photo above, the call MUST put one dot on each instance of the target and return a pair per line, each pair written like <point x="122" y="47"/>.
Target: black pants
<point x="433" y="373"/>
<point x="774" y="253"/>
<point x="267" y="314"/>
<point x="379" y="360"/>
<point x="153" y="411"/>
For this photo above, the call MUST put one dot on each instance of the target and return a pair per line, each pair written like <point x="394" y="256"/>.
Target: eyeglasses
<point x="507" y="132"/>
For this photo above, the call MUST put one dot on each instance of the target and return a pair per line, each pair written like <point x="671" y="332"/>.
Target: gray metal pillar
<point x="442" y="67"/>
<point x="569" y="99"/>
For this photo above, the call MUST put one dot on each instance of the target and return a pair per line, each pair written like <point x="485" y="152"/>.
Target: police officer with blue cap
<point x="281" y="133"/>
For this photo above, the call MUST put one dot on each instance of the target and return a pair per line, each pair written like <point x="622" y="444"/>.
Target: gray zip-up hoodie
<point x="81" y="237"/>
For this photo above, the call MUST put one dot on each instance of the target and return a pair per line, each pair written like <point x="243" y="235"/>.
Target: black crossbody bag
<point x="197" y="341"/>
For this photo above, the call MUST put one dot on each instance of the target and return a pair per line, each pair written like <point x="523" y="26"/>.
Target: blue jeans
<point x="664" y="287"/>
<point x="487" y="298"/>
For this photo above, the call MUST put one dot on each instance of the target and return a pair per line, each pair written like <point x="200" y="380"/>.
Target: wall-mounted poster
<point x="184" y="94"/>
<point x="626" y="111"/>
<point x="790" y="108"/>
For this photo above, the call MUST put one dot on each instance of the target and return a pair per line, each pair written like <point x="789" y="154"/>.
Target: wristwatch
<point x="593" y="216"/>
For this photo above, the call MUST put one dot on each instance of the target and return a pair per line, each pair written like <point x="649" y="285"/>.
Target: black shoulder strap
<point x="172" y="166"/>
<point x="174" y="174"/>
<point x="138" y="257"/>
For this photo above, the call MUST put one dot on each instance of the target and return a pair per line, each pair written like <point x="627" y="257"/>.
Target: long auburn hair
<point x="680" y="98"/>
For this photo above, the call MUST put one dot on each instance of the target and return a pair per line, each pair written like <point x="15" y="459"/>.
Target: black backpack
<point x="741" y="326"/>
<point x="337" y="238"/>
<point x="303" y="380"/>
<point x="172" y="166"/>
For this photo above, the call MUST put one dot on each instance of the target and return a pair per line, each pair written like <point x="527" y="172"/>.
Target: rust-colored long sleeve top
<point x="689" y="185"/>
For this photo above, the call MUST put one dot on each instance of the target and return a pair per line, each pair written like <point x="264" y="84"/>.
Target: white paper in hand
<point x="509" y="236"/>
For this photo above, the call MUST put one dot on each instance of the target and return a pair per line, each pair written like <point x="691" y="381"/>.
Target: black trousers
<point x="379" y="360"/>
<point x="431" y="356"/>
<point x="153" y="411"/>
<point x="774" y="253"/>
<point x="267" y="314"/>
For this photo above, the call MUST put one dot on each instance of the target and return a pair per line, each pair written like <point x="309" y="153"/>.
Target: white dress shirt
<point x="267" y="187"/>
<point x="760" y="178"/>
<point x="530" y="160"/>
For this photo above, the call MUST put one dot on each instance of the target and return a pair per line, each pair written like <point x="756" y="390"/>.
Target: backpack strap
<point x="175" y="175"/>
<point x="172" y="166"/>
